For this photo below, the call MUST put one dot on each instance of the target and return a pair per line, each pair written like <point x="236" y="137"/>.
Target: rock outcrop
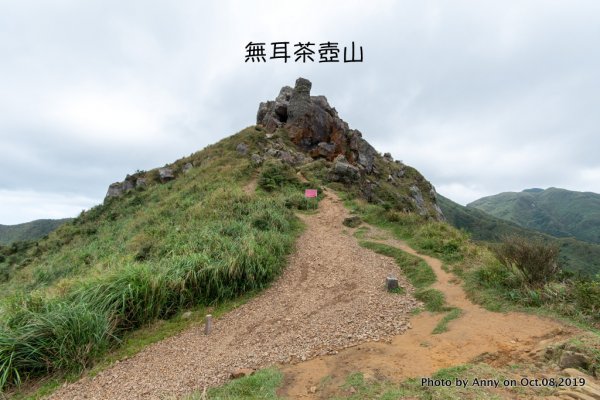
<point x="317" y="131"/>
<point x="119" y="188"/>
<point x="305" y="131"/>
<point x="315" y="126"/>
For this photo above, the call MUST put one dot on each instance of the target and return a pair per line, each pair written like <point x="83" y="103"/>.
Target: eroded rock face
<point x="317" y="132"/>
<point x="165" y="174"/>
<point x="314" y="125"/>
<point x="187" y="168"/>
<point x="115" y="190"/>
<point x="119" y="188"/>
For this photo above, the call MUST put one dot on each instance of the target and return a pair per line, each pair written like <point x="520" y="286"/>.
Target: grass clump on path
<point x="416" y="270"/>
<point x="442" y="326"/>
<point x="420" y="275"/>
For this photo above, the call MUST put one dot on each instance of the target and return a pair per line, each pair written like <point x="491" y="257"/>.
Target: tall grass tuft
<point x="59" y="335"/>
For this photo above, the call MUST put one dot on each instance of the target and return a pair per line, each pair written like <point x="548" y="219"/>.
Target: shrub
<point x="297" y="200"/>
<point x="441" y="240"/>
<point x="275" y="175"/>
<point x="587" y="295"/>
<point x="536" y="262"/>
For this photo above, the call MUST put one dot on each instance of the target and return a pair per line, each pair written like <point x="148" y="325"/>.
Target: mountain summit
<point x="316" y="130"/>
<point x="306" y="134"/>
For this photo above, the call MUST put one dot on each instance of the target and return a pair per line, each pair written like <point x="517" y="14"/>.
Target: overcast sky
<point x="480" y="96"/>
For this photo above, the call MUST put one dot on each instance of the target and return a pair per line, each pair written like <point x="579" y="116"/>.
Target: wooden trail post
<point x="391" y="283"/>
<point x="208" y="324"/>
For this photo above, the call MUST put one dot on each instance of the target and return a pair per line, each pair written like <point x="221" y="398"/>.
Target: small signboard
<point x="310" y="193"/>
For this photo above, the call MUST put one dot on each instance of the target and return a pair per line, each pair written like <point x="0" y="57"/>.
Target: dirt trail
<point x="330" y="296"/>
<point x="250" y="187"/>
<point x="503" y="337"/>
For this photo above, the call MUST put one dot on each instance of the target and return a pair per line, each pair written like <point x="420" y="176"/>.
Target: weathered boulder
<point x="352" y="222"/>
<point x="140" y="182"/>
<point x="242" y="148"/>
<point x="119" y="188"/>
<point x="256" y="159"/>
<point x="286" y="157"/>
<point x="187" y="167"/>
<point x="366" y="154"/>
<point x="114" y="190"/>
<point x="342" y="171"/>
<point x="128" y="184"/>
<point x="571" y="359"/>
<point x="299" y="103"/>
<point x="165" y="174"/>
<point x="273" y="114"/>
<point x="417" y="197"/>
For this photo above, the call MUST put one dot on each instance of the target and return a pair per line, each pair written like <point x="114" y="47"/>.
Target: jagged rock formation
<point x="315" y="126"/>
<point x="316" y="129"/>
<point x="299" y="130"/>
<point x="131" y="182"/>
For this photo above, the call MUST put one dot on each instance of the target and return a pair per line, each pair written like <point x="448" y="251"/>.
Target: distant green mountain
<point x="29" y="230"/>
<point x="557" y="212"/>
<point x="575" y="255"/>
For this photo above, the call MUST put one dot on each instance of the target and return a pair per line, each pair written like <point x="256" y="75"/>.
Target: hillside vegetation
<point x="219" y="225"/>
<point x="147" y="255"/>
<point x="209" y="227"/>
<point x="488" y="279"/>
<point x="575" y="255"/>
<point x="29" y="231"/>
<point x="557" y="212"/>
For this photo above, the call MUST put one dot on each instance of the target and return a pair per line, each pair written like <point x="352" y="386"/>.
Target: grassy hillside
<point x="575" y="255"/>
<point x="29" y="231"/>
<point x="557" y="212"/>
<point x="487" y="280"/>
<point x="198" y="239"/>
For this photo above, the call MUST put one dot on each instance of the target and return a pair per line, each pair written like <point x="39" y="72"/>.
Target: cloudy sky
<point x="480" y="96"/>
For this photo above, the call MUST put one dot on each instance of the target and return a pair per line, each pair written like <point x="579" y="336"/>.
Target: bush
<point x="275" y="175"/>
<point x="298" y="201"/>
<point x="587" y="295"/>
<point x="441" y="240"/>
<point x="534" y="261"/>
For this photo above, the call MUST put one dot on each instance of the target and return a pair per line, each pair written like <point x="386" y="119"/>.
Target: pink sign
<point x="308" y="193"/>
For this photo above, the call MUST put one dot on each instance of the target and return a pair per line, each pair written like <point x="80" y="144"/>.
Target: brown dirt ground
<point x="504" y="337"/>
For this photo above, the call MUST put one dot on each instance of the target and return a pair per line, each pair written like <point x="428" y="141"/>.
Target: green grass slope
<point x="198" y="239"/>
<point x="29" y="231"/>
<point x="557" y="212"/>
<point x="575" y="255"/>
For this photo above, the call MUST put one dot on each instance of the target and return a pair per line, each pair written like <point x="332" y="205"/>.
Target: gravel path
<point x="330" y="296"/>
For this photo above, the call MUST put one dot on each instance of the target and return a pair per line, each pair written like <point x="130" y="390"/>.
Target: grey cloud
<point x="481" y="97"/>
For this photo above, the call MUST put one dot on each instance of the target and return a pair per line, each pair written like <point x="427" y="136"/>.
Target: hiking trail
<point x="328" y="314"/>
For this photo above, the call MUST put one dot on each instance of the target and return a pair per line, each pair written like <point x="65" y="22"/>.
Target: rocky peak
<point x="315" y="126"/>
<point x="316" y="129"/>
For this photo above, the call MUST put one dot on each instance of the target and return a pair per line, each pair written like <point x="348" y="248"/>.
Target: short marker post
<point x="391" y="283"/>
<point x="208" y="324"/>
